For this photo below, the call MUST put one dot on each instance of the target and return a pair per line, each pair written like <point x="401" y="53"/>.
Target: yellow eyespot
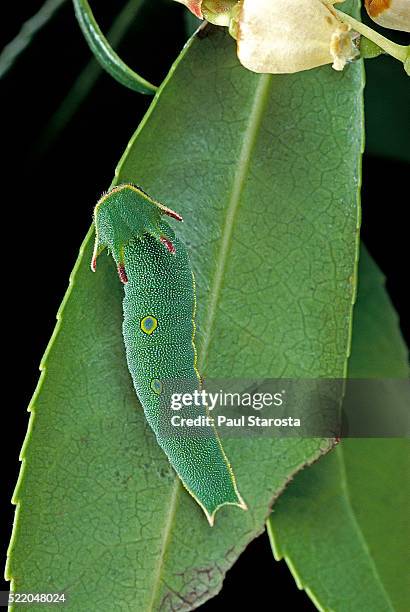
<point x="156" y="386"/>
<point x="149" y="324"/>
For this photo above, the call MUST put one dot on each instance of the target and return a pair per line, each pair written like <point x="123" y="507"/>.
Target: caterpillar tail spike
<point x="159" y="310"/>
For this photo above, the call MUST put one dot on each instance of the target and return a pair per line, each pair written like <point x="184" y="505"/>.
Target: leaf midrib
<point x="164" y="542"/>
<point x="348" y="501"/>
<point x="255" y="118"/>
<point x="249" y="139"/>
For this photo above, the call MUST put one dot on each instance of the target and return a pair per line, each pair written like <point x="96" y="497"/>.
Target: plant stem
<point x="27" y="32"/>
<point x="399" y="52"/>
<point x="105" y="54"/>
<point x="87" y="78"/>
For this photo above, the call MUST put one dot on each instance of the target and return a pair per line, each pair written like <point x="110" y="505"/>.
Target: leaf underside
<point x="342" y="525"/>
<point x="265" y="171"/>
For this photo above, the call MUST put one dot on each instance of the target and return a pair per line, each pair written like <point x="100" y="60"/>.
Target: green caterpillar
<point x="159" y="330"/>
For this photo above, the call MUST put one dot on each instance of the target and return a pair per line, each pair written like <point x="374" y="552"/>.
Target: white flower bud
<point x="285" y="36"/>
<point x="393" y="14"/>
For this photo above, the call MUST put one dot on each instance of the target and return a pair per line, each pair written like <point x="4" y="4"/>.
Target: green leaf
<point x="105" y="54"/>
<point x="342" y="524"/>
<point x="265" y="171"/>
<point x="378" y="350"/>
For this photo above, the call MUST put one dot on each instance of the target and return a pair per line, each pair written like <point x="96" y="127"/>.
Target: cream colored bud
<point x="218" y="11"/>
<point x="393" y="14"/>
<point x="285" y="36"/>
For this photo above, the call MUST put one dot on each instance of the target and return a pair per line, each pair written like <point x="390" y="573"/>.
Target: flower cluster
<point x="285" y="36"/>
<point x="292" y="35"/>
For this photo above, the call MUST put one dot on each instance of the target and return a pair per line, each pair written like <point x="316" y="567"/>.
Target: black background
<point x="50" y="181"/>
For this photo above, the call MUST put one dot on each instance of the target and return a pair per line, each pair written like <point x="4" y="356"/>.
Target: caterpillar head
<point x="123" y="214"/>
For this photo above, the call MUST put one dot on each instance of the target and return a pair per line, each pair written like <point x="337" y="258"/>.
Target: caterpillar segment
<point x="159" y="337"/>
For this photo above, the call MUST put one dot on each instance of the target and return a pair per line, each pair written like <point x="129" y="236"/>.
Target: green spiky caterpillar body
<point x="158" y="330"/>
